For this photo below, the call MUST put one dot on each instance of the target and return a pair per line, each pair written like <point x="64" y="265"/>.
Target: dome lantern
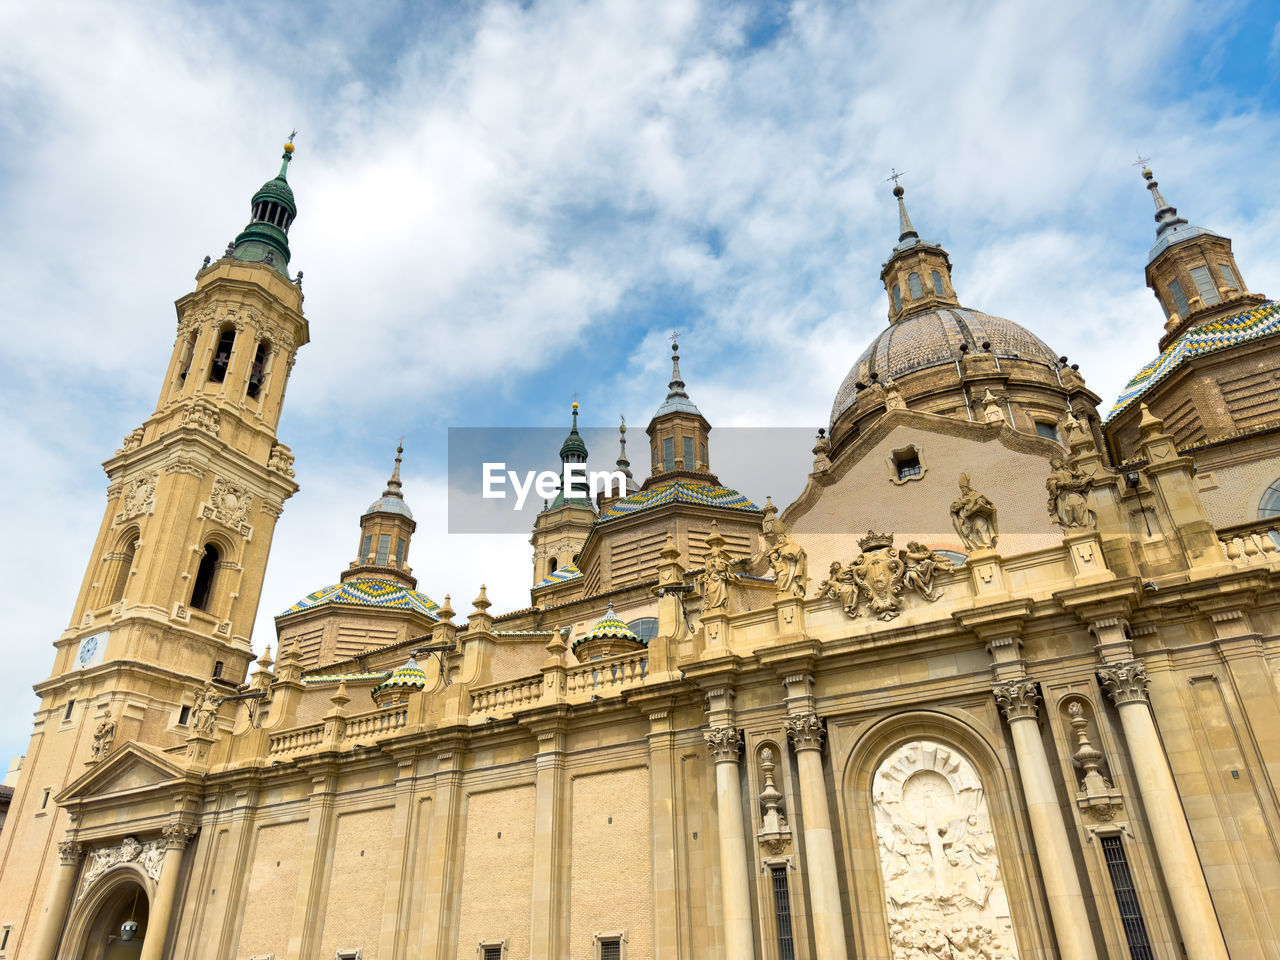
<point x="917" y="275"/>
<point x="386" y="528"/>
<point x="266" y="238"/>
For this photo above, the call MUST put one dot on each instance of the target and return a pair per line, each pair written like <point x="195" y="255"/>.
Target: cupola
<point x="266" y="238"/>
<point x="678" y="433"/>
<point x="385" y="530"/>
<point x="404" y="681"/>
<point x="917" y="275"/>
<point x="609" y="636"/>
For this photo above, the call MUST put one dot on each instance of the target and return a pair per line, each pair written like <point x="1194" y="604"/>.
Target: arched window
<point x="124" y="564"/>
<point x="646" y="628"/>
<point x="203" y="587"/>
<point x="897" y="297"/>
<point x="222" y="355"/>
<point x="913" y="284"/>
<point x="1269" y="505"/>
<point x="184" y="361"/>
<point x="937" y="284"/>
<point x="554" y="565"/>
<point x="258" y="372"/>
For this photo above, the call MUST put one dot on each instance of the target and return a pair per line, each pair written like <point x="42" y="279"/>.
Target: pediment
<point x="132" y="767"/>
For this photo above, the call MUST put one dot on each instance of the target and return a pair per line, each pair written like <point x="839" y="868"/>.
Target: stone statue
<point x="974" y="517"/>
<point x="893" y="396"/>
<point x="881" y="575"/>
<point x="991" y="411"/>
<point x="103" y="736"/>
<point x="719" y="570"/>
<point x="205" y="710"/>
<point x="790" y="564"/>
<point x="1068" y="487"/>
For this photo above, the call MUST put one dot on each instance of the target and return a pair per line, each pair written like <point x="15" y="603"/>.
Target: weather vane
<point x="292" y="134"/>
<point x="1141" y="161"/>
<point x="894" y="175"/>
<point x="675" y="336"/>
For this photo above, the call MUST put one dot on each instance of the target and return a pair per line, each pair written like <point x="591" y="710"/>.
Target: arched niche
<point x="93" y="929"/>
<point x="989" y="769"/>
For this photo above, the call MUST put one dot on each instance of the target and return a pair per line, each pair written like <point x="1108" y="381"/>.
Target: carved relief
<point x="69" y="852"/>
<point x="132" y="441"/>
<point x="149" y="857"/>
<point x="881" y="575"/>
<point x="724" y="744"/>
<point x="974" y="517"/>
<point x="281" y="460"/>
<point x="202" y="414"/>
<point x="205" y="710"/>
<point x="944" y="894"/>
<point x="720" y="569"/>
<point x="1125" y="682"/>
<point x="103" y="737"/>
<point x="1068" y="487"/>
<point x="789" y="562"/>
<point x="139" y="497"/>
<point x="229" y="504"/>
<point x="805" y="731"/>
<point x="1018" y="699"/>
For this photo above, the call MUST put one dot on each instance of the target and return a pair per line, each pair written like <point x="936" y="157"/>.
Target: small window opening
<point x="258" y="372"/>
<point x="188" y="354"/>
<point x="222" y="356"/>
<point x="937" y="284"/>
<point x="399" y="551"/>
<point x="1179" y="299"/>
<point x="1204" y="285"/>
<point x="782" y="913"/>
<point x="217" y="669"/>
<point x="493" y="953"/>
<point x="366" y="546"/>
<point x="897" y="297"/>
<point x="1135" y="929"/>
<point x="688" y="453"/>
<point x="554" y="565"/>
<point x="44" y="802"/>
<point x="1047" y="430"/>
<point x="646" y="628"/>
<point x="122" y="574"/>
<point x="611" y="949"/>
<point x="384" y="549"/>
<point x="668" y="453"/>
<point x="913" y="284"/>
<point x="702" y="452"/>
<point x="908" y="465"/>
<point x="184" y="716"/>
<point x="71" y="705"/>
<point x="4" y="938"/>
<point x="1229" y="277"/>
<point x="204" y="577"/>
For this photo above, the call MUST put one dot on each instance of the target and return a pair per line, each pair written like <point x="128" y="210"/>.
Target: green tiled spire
<point x="266" y="238"/>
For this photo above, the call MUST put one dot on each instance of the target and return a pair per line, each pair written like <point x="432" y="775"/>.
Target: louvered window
<point x="1229" y="277"/>
<point x="1204" y="285"/>
<point x="1135" y="930"/>
<point x="688" y="453"/>
<point x="913" y="284"/>
<point x="937" y="284"/>
<point x="897" y="297"/>
<point x="384" y="548"/>
<point x="1179" y="298"/>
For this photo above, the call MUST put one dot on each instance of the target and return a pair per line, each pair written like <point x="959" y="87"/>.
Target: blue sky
<point x="504" y="205"/>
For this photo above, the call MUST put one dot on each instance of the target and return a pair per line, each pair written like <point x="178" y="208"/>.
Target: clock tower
<point x="171" y="591"/>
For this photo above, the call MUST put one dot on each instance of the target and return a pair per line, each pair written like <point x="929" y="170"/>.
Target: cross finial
<point x="1141" y="161"/>
<point x="675" y="336"/>
<point x="292" y="134"/>
<point x="894" y="175"/>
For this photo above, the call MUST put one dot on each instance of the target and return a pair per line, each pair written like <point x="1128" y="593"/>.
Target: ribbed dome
<point x="390" y="505"/>
<point x="278" y="190"/>
<point x="934" y="338"/>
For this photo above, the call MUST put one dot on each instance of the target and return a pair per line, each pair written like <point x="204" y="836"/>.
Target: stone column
<point x="806" y="735"/>
<point x="735" y="890"/>
<point x="1019" y="701"/>
<point x="1126" y="684"/>
<point x="58" y="901"/>
<point x="176" y="836"/>
<point x="664" y="834"/>
<point x="547" y="835"/>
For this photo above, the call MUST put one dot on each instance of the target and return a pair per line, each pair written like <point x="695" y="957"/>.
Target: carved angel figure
<point x="841" y="586"/>
<point x="921" y="562"/>
<point x="790" y="565"/>
<point x="974" y="517"/>
<point x="1067" y="486"/>
<point x="103" y="736"/>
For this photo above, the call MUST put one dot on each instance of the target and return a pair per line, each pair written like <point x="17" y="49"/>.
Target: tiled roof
<point x="567" y="572"/>
<point x="408" y="675"/>
<point x="368" y="592"/>
<point x="677" y="491"/>
<point x="610" y="625"/>
<point x="350" y="677"/>
<point x="1199" y="340"/>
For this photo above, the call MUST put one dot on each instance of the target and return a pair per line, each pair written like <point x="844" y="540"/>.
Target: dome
<point x="1176" y="233"/>
<point x="934" y="338"/>
<point x="610" y="627"/>
<point x="390" y="505"/>
<point x="408" y="675"/>
<point x="279" y="190"/>
<point x="368" y="592"/>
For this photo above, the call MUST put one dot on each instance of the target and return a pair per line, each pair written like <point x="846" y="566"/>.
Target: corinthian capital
<point x="805" y="731"/>
<point x="724" y="744"/>
<point x="1019" y="699"/>
<point x="177" y="835"/>
<point x="69" y="852"/>
<point x="1125" y="682"/>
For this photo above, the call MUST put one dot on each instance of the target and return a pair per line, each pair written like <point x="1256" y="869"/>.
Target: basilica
<point x="1003" y="683"/>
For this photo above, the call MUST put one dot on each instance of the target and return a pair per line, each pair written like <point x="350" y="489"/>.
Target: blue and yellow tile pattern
<point x="567" y="572"/>
<point x="408" y="675"/>
<point x="610" y="625"/>
<point x="368" y="592"/>
<point x="1203" y="338"/>
<point x="677" y="491"/>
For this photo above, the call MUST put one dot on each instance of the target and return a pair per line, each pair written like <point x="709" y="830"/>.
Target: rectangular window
<point x="4" y="938"/>
<point x="610" y="950"/>
<point x="384" y="549"/>
<point x="702" y="454"/>
<point x="1135" y="930"/>
<point x="782" y="913"/>
<point x="1229" y="277"/>
<point x="71" y="705"/>
<point x="897" y="297"/>
<point x="399" y="551"/>
<point x="1179" y="298"/>
<point x="688" y="453"/>
<point x="492" y="952"/>
<point x="937" y="284"/>
<point x="913" y="284"/>
<point x="668" y="453"/>
<point x="1047" y="430"/>
<point x="48" y="791"/>
<point x="366" y="546"/>
<point x="1204" y="285"/>
<point x="184" y="716"/>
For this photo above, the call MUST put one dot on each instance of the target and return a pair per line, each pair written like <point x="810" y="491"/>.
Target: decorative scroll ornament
<point x="1125" y="682"/>
<point x="881" y="575"/>
<point x="281" y="460"/>
<point x="103" y="737"/>
<point x="944" y="892"/>
<point x="132" y="441"/>
<point x="1019" y="699"/>
<point x="202" y="414"/>
<point x="1068" y="488"/>
<point x="139" y="497"/>
<point x="805" y="731"/>
<point x="974" y="517"/>
<point x="69" y="852"/>
<point x="1097" y="796"/>
<point x="774" y="835"/>
<point x="177" y="835"/>
<point x="724" y="744"/>
<point x="229" y="504"/>
<point x="149" y="857"/>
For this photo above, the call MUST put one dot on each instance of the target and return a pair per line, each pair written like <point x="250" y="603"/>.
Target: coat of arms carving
<point x="139" y="497"/>
<point x="229" y="503"/>
<point x="881" y="576"/>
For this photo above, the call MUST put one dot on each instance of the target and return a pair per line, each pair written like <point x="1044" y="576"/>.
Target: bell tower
<point x="171" y="590"/>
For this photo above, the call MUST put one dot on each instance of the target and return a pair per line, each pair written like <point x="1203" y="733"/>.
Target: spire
<point x="677" y="398"/>
<point x="624" y="464"/>
<point x="266" y="238"/>
<point x="906" y="232"/>
<point x="393" y="485"/>
<point x="917" y="275"/>
<point x="1166" y="213"/>
<point x="574" y="449"/>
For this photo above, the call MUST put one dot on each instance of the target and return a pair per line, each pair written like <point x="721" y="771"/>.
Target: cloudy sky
<point x="506" y="205"/>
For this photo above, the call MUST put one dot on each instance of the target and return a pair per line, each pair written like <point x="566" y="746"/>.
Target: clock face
<point x="88" y="649"/>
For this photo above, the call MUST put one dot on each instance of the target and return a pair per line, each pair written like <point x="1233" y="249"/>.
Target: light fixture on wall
<point x="129" y="929"/>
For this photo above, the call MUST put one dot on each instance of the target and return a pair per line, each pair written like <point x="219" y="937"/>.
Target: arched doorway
<point x="100" y="936"/>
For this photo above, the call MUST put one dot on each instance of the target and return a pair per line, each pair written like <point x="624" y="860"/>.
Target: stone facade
<point x="860" y="727"/>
